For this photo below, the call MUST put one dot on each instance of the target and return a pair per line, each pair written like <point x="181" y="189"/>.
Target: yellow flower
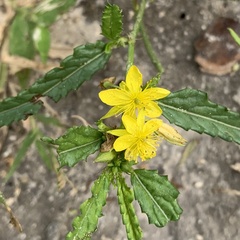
<point x="139" y="138"/>
<point x="130" y="96"/>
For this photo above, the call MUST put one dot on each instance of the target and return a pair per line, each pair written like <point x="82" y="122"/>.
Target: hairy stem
<point x="151" y="53"/>
<point x="134" y="32"/>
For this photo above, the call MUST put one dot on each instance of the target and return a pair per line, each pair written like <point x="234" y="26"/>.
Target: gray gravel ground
<point x="205" y="179"/>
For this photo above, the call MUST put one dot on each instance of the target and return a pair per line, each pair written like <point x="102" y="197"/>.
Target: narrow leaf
<point x="41" y="38"/>
<point x="74" y="70"/>
<point x="46" y="12"/>
<point x="77" y="144"/>
<point x="91" y="210"/>
<point x="191" y="109"/>
<point x="20" y="39"/>
<point x="129" y="218"/>
<point x="57" y="83"/>
<point x="45" y="153"/>
<point x="112" y="22"/>
<point x="18" y="108"/>
<point x="2" y="199"/>
<point x="21" y="153"/>
<point x="48" y="120"/>
<point x="156" y="196"/>
<point x="234" y="35"/>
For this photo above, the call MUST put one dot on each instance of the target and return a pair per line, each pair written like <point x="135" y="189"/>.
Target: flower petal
<point x="151" y="126"/>
<point x="118" y="132"/>
<point x="123" y="142"/>
<point x="148" y="152"/>
<point x="113" y="111"/>
<point x="152" y="110"/>
<point x="114" y="97"/>
<point x="131" y="153"/>
<point x="141" y="119"/>
<point x="129" y="110"/>
<point x="130" y="124"/>
<point x="154" y="93"/>
<point x="134" y="79"/>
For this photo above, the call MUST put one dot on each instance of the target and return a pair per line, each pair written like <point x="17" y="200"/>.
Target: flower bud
<point x="171" y="135"/>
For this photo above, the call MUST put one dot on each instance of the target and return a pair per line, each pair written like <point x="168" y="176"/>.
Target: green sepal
<point x="77" y="144"/>
<point x="156" y="196"/>
<point x="191" y="109"/>
<point x="48" y="140"/>
<point x="126" y="166"/>
<point x="91" y="210"/>
<point x="129" y="218"/>
<point x="106" y="156"/>
<point x="42" y="40"/>
<point x="102" y="127"/>
<point x="153" y="82"/>
<point x="112" y="22"/>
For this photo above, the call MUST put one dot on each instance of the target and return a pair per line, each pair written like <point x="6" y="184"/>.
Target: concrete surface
<point x="205" y="180"/>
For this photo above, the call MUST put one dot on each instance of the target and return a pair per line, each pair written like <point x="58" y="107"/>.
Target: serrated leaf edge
<point x="91" y="200"/>
<point x="200" y="116"/>
<point x="213" y="121"/>
<point x="78" y="147"/>
<point x="136" y="176"/>
<point x="128" y="206"/>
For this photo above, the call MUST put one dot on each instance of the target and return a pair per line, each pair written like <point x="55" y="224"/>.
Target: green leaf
<point x="20" y="36"/>
<point x="112" y="22"/>
<point x="57" y="83"/>
<point x="234" y="35"/>
<point x="24" y="76"/>
<point x="21" y="153"/>
<point x="45" y="153"/>
<point x="47" y="11"/>
<point x="129" y="218"/>
<point x="2" y="199"/>
<point x="91" y="210"/>
<point x="191" y="109"/>
<point x="156" y="196"/>
<point x="18" y="108"/>
<point x="74" y="70"/>
<point x="48" y="120"/>
<point x="42" y="41"/>
<point x="77" y="144"/>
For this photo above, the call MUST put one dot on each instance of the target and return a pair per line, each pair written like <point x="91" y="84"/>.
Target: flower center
<point x="137" y="101"/>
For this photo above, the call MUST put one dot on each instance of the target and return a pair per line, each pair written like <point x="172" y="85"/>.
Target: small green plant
<point x="138" y="134"/>
<point x="235" y="36"/>
<point x="29" y="31"/>
<point x="28" y="35"/>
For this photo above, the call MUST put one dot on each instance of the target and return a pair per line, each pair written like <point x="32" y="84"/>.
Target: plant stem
<point x="133" y="34"/>
<point x="151" y="53"/>
<point x="3" y="76"/>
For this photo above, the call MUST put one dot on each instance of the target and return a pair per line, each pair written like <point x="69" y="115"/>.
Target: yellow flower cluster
<point x="140" y="137"/>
